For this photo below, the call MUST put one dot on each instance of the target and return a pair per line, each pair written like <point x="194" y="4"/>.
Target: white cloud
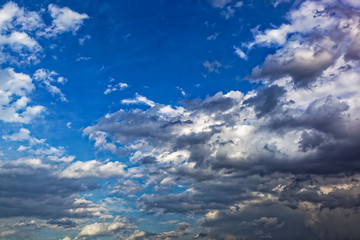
<point x="351" y="3"/>
<point x="14" y="91"/>
<point x="47" y="77"/>
<point x="106" y="228"/>
<point x="34" y="163"/>
<point x="304" y="20"/>
<point x="240" y="53"/>
<point x="83" y="207"/>
<point x="12" y="15"/>
<point x="16" y="26"/>
<point x="23" y="134"/>
<point x="138" y="100"/>
<point x="7" y="13"/>
<point x="18" y="40"/>
<point x="64" y="20"/>
<point x="93" y="169"/>
<point x="116" y="87"/>
<point x="79" y="59"/>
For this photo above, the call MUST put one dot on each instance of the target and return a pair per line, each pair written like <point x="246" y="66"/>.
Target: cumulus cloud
<point x="14" y="90"/>
<point x="106" y="228"/>
<point x="317" y="35"/>
<point x="17" y="25"/>
<point x="31" y="190"/>
<point x="260" y="163"/>
<point x="64" y="20"/>
<point x="23" y="135"/>
<point x="93" y="169"/>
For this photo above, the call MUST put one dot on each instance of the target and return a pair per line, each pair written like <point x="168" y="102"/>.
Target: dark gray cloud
<point x="266" y="100"/>
<point x="37" y="193"/>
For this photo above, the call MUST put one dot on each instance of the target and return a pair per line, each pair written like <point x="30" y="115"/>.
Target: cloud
<point x="116" y="87"/>
<point x="212" y="66"/>
<point x="220" y="3"/>
<point x="304" y="63"/>
<point x="83" y="39"/>
<point x="29" y="189"/>
<point x="106" y="228"/>
<point x="17" y="25"/>
<point x="14" y="91"/>
<point x="259" y="164"/>
<point x="138" y="100"/>
<point x="240" y="53"/>
<point x="93" y="169"/>
<point x="64" y="20"/>
<point x="23" y="135"/>
<point x="212" y="37"/>
<point x="19" y="40"/>
<point x="183" y="229"/>
<point x="228" y="7"/>
<point x="311" y="43"/>
<point x="47" y="77"/>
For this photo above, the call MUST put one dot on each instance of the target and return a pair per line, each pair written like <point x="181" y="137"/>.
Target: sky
<point x="179" y="119"/>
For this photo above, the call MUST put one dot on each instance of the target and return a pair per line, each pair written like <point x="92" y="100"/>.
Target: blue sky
<point x="209" y="119"/>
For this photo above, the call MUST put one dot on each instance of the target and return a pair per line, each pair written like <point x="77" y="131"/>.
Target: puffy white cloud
<point x="64" y="20"/>
<point x="18" y="40"/>
<point x="22" y="135"/>
<point x="14" y="88"/>
<point x="105" y="228"/>
<point x="93" y="169"/>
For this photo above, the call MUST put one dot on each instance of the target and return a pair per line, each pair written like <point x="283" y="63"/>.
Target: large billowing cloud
<point x="280" y="161"/>
<point x="284" y="156"/>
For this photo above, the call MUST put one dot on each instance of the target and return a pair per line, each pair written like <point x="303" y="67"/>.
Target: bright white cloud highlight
<point x="93" y="169"/>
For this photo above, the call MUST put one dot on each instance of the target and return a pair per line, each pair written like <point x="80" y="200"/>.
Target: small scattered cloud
<point x="115" y="87"/>
<point x="47" y="77"/>
<point x="83" y="39"/>
<point x="80" y="59"/>
<point x="212" y="67"/>
<point x="240" y="53"/>
<point x="228" y="7"/>
<point x="212" y="37"/>
<point x="138" y="100"/>
<point x="181" y="91"/>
